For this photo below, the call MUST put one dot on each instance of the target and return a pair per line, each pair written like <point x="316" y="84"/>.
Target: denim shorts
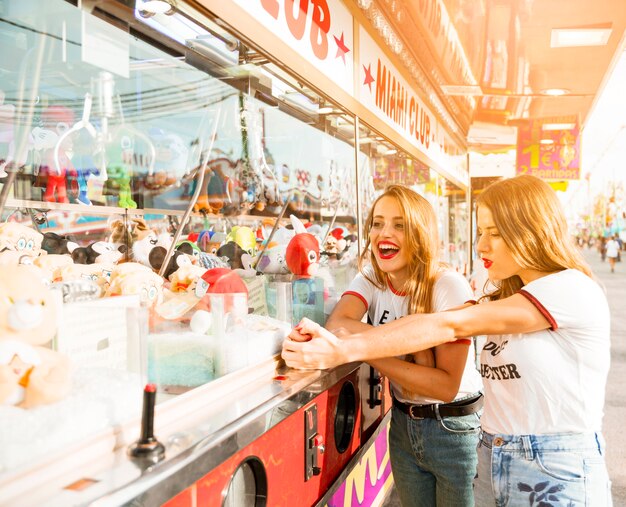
<point x="565" y="470"/>
<point x="433" y="461"/>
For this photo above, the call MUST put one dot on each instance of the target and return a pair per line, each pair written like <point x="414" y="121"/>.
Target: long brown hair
<point x="530" y="219"/>
<point x="421" y="239"/>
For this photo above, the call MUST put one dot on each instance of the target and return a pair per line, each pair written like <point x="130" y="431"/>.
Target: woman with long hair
<point x="545" y="361"/>
<point x="436" y="393"/>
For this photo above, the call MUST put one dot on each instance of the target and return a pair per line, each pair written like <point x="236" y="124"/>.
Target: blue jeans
<point x="433" y="461"/>
<point x="566" y="470"/>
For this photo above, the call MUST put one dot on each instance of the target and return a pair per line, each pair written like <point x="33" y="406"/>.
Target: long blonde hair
<point x="530" y="219"/>
<point x="421" y="240"/>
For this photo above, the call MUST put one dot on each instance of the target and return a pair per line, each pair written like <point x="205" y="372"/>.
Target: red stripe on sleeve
<point x="356" y="294"/>
<point x="542" y="309"/>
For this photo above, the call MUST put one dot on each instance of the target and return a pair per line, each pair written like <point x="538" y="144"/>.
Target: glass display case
<point x="184" y="201"/>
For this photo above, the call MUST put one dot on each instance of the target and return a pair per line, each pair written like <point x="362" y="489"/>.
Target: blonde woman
<point x="436" y="403"/>
<point x="545" y="362"/>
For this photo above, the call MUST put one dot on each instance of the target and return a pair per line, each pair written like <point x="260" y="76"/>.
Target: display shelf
<point x="88" y="210"/>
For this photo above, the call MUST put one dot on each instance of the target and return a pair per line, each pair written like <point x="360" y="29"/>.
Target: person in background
<point x="436" y="393"/>
<point x="612" y="252"/>
<point x="544" y="365"/>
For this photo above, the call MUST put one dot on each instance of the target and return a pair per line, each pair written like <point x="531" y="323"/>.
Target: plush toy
<point x="219" y="281"/>
<point x="118" y="183"/>
<point x="189" y="248"/>
<point x="335" y="244"/>
<point x="98" y="252"/>
<point x="30" y="374"/>
<point x="210" y="241"/>
<point x="144" y="239"/>
<point x="53" y="264"/>
<point x="244" y="236"/>
<point x="55" y="244"/>
<point x="217" y="186"/>
<point x="56" y="120"/>
<point x="303" y="254"/>
<point x="20" y="238"/>
<point x="14" y="258"/>
<point x="84" y="163"/>
<point x="185" y="278"/>
<point x="139" y="281"/>
<point x="273" y="259"/>
<point x="100" y="273"/>
<point x="233" y="252"/>
<point x="177" y="260"/>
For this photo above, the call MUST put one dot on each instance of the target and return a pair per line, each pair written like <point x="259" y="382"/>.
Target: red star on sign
<point x="342" y="49"/>
<point x="369" y="79"/>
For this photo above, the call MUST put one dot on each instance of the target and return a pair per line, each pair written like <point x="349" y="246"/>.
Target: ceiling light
<point x="156" y="6"/>
<point x="554" y="92"/>
<point x="546" y="141"/>
<point x="558" y="126"/>
<point x="325" y="110"/>
<point x="581" y="36"/>
<point x="465" y="90"/>
<point x="391" y="152"/>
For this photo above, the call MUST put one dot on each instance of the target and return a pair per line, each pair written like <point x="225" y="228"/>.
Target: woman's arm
<point x="440" y="382"/>
<point x="347" y="315"/>
<point x="514" y="314"/>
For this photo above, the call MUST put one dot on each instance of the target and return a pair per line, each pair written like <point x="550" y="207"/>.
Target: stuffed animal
<point x="219" y="281"/>
<point x="20" y="238"/>
<point x="100" y="273"/>
<point x="210" y="241"/>
<point x="273" y="260"/>
<point x="178" y="259"/>
<point x="144" y="239"/>
<point x="244" y="236"/>
<point x="335" y="244"/>
<point x="234" y="253"/>
<point x="98" y="252"/>
<point x="55" y="244"/>
<point x="30" y="374"/>
<point x="56" y="120"/>
<point x="303" y="254"/>
<point x="53" y="265"/>
<point x="185" y="278"/>
<point x="139" y="281"/>
<point x="14" y="258"/>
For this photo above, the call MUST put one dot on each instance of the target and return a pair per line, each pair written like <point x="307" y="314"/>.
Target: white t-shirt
<point x="450" y="290"/>
<point x="551" y="381"/>
<point x="612" y="248"/>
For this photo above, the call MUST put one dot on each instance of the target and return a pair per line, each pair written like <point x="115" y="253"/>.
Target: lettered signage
<point x="320" y="30"/>
<point x="383" y="90"/>
<point x="547" y="152"/>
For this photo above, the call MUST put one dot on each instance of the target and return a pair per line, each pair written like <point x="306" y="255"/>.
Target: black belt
<point x="454" y="409"/>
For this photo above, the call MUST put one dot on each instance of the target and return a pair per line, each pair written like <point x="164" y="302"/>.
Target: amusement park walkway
<point x="615" y="405"/>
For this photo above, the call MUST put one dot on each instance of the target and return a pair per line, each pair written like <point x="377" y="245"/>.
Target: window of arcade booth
<point x="173" y="167"/>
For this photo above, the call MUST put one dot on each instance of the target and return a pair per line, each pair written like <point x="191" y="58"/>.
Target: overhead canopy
<point x="496" y="61"/>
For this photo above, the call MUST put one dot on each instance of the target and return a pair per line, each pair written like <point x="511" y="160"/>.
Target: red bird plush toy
<point x="303" y="251"/>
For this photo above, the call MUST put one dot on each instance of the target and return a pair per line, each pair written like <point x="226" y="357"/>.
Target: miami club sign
<point x="383" y="90"/>
<point x="319" y="30"/>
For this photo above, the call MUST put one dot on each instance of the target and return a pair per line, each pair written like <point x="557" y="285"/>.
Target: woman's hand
<point x="310" y="346"/>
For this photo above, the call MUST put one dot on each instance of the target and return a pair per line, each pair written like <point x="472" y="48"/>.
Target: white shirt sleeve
<point x="451" y="290"/>
<point x="362" y="288"/>
<point x="568" y="299"/>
